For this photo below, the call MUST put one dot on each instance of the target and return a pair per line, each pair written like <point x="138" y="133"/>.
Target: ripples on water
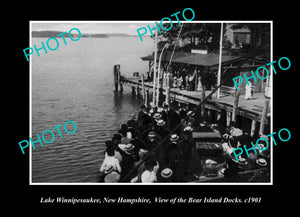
<point x="75" y="83"/>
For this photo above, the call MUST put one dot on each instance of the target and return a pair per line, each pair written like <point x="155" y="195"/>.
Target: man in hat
<point x="125" y="149"/>
<point x="175" y="120"/>
<point x="164" y="112"/>
<point x="182" y="111"/>
<point x="143" y="118"/>
<point x="162" y="132"/>
<point x="172" y="156"/>
<point x="152" y="141"/>
<point x="123" y="130"/>
<point x="161" y="129"/>
<point x="157" y="116"/>
<point x="132" y="125"/>
<point x="138" y="145"/>
<point x="185" y="145"/>
<point x="141" y="168"/>
<point x="116" y="139"/>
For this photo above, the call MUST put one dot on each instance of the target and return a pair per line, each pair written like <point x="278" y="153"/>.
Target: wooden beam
<point x="235" y="105"/>
<point x="228" y="118"/>
<point x="264" y="117"/>
<point x="253" y="127"/>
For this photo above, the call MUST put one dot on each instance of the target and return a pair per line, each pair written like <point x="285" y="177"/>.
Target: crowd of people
<point x="158" y="146"/>
<point x="188" y="79"/>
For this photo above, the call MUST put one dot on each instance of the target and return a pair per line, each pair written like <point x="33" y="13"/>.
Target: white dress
<point x="248" y="91"/>
<point x="110" y="161"/>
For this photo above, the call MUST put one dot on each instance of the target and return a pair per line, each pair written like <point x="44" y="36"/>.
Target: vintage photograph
<point x="137" y="102"/>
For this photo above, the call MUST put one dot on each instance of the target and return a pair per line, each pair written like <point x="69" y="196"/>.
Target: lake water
<point x="75" y="83"/>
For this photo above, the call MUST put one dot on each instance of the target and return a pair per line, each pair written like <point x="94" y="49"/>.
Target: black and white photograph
<point x="136" y="102"/>
<point x="150" y="106"/>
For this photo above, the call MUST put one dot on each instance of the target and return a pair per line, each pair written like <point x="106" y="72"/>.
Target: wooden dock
<point x="252" y="109"/>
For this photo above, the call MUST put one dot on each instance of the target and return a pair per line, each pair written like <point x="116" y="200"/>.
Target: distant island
<point x="48" y="34"/>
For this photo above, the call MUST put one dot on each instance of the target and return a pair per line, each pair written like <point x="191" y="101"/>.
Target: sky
<point x="126" y="27"/>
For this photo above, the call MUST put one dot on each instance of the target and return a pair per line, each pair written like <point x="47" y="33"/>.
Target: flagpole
<point x="154" y="71"/>
<point x="220" y="62"/>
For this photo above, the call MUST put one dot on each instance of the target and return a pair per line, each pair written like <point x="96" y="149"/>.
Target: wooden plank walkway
<point x="251" y="109"/>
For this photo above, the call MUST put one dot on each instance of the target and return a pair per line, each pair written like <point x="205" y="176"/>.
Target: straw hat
<point x="152" y="105"/>
<point x="160" y="122"/>
<point x="190" y="113"/>
<point x="188" y="128"/>
<point x="210" y="161"/>
<point x="236" y="131"/>
<point x="160" y="109"/>
<point x="151" y="111"/>
<point x="174" y="137"/>
<point x="242" y="160"/>
<point x="151" y="134"/>
<point x="157" y="116"/>
<point x="109" y="169"/>
<point x="126" y="147"/>
<point x="112" y="177"/>
<point x="125" y="140"/>
<point x="261" y="162"/>
<point x="166" y="173"/>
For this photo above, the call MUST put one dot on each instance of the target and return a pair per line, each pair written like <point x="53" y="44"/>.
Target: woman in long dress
<point x="248" y="91"/>
<point x="199" y="86"/>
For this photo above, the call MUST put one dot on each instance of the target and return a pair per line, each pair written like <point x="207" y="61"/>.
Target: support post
<point x="253" y="127"/>
<point x="143" y="87"/>
<point x="264" y="117"/>
<point x="119" y="78"/>
<point x="235" y="105"/>
<point x="137" y="88"/>
<point x="154" y="70"/>
<point x="116" y="78"/>
<point x="146" y="102"/>
<point x="167" y="95"/>
<point x="167" y="100"/>
<point x="202" y="98"/>
<point x="228" y="118"/>
<point x="220" y="62"/>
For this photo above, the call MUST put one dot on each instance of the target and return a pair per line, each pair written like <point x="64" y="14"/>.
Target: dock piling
<point x="235" y="105"/>
<point x="264" y="117"/>
<point x="253" y="127"/>
<point x="117" y="78"/>
<point x="228" y="118"/>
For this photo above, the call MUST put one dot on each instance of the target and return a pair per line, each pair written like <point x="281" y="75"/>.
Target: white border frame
<point x="155" y="184"/>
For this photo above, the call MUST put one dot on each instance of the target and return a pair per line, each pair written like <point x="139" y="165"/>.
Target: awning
<point x="167" y="55"/>
<point x="206" y="60"/>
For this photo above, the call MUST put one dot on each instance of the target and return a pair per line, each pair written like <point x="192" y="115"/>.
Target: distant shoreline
<point x="48" y="34"/>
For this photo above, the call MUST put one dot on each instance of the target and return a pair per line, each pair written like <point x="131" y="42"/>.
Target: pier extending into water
<point x="249" y="114"/>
